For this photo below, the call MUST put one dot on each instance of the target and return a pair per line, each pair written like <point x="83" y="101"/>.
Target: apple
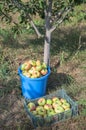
<point x="44" y="71"/>
<point x="41" y="101"/>
<point x="38" y="63"/>
<point x="66" y="105"/>
<point x="40" y="110"/>
<point x="34" y="112"/>
<point x="39" y="68"/>
<point x="44" y="66"/>
<point x="68" y="108"/>
<point x="47" y="106"/>
<point x="58" y="102"/>
<point x="54" y="99"/>
<point x="33" y="76"/>
<point x="33" y="68"/>
<point x="24" y="73"/>
<point x="28" y="75"/>
<point x="37" y="73"/>
<point x="49" y="101"/>
<point x="31" y="71"/>
<point x="32" y="62"/>
<point x="63" y="100"/>
<point x="50" y="112"/>
<point x="27" y="66"/>
<point x="59" y="109"/>
<point x="55" y="105"/>
<point x="31" y="106"/>
<point x="23" y="67"/>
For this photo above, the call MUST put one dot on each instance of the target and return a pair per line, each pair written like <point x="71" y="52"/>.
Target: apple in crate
<point x="55" y="99"/>
<point x="40" y="110"/>
<point x="41" y="101"/>
<point x="58" y="102"/>
<point x="49" y="101"/>
<point x="47" y="106"/>
<point x="59" y="109"/>
<point x="50" y="112"/>
<point x="63" y="100"/>
<point x="55" y="105"/>
<point x="31" y="106"/>
<point x="34" y="112"/>
<point x="66" y="105"/>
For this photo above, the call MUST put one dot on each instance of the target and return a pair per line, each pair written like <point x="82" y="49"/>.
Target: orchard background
<point x="67" y="61"/>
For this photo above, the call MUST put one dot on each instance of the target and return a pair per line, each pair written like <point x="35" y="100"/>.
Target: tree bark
<point x="47" y="47"/>
<point x="47" y="40"/>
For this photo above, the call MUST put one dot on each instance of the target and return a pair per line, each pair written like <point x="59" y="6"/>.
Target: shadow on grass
<point x="58" y="80"/>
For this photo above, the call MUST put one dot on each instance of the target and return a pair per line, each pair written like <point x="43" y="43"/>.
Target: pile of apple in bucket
<point x="34" y="68"/>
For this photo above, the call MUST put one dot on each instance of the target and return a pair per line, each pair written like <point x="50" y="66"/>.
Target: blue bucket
<point x="33" y="87"/>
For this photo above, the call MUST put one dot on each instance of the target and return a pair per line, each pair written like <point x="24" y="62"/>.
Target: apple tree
<point x="54" y="12"/>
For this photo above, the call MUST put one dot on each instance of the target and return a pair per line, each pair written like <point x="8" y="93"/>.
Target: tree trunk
<point x="47" y="32"/>
<point x="47" y="47"/>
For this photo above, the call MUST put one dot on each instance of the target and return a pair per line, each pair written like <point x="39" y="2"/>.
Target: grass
<point x="69" y="47"/>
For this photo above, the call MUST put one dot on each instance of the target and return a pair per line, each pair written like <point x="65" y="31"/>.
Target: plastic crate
<point x="43" y="122"/>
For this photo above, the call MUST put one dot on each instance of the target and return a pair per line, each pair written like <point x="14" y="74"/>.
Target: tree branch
<point x="62" y="17"/>
<point x="21" y="6"/>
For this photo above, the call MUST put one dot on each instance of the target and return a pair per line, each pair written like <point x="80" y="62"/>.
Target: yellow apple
<point x="38" y="63"/>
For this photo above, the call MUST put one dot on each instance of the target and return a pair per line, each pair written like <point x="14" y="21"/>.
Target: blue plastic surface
<point x="33" y="87"/>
